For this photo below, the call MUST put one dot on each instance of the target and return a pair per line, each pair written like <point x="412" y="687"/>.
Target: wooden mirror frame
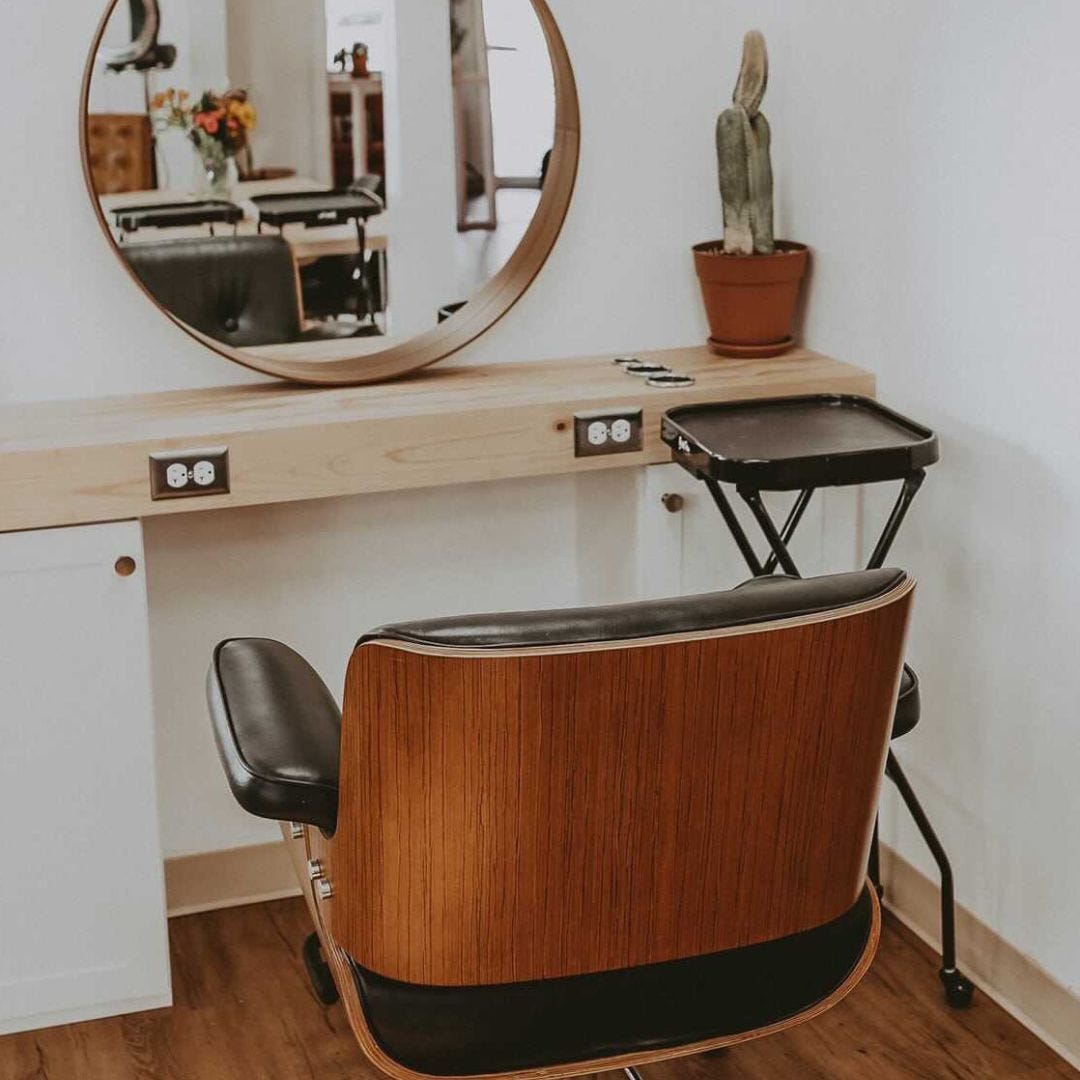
<point x="489" y="305"/>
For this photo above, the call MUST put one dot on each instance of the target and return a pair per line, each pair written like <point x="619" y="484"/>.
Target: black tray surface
<point x="165" y="215"/>
<point x="786" y="443"/>
<point x="315" y="207"/>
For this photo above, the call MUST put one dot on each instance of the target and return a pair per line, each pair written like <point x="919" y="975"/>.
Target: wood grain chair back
<point x="536" y="796"/>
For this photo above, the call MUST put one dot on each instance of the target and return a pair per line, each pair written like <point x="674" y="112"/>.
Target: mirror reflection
<point x="310" y="179"/>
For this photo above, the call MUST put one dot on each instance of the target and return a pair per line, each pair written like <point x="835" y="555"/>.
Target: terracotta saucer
<point x="748" y="352"/>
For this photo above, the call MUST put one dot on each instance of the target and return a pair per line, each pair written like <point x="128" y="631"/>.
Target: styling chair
<point x="240" y="290"/>
<point x="558" y="842"/>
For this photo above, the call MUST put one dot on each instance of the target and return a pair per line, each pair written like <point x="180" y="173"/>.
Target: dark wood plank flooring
<point x="244" y="1011"/>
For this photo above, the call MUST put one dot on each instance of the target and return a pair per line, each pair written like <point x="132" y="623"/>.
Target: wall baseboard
<point x="999" y="970"/>
<point x="230" y="878"/>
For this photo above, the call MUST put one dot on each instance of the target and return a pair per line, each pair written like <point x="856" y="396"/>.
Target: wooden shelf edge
<point x="83" y="462"/>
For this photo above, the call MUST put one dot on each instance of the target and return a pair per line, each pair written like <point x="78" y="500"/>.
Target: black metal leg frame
<point x="958" y="989"/>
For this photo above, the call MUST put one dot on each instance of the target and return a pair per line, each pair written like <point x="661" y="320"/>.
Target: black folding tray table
<point x="799" y="443"/>
<point x="129" y="219"/>
<point x="316" y="208"/>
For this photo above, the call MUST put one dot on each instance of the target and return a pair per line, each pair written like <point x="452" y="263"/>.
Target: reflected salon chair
<point x="242" y="291"/>
<point x="336" y="285"/>
<point x="559" y="842"/>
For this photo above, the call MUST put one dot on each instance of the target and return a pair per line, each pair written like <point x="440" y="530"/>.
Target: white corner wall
<point x="926" y="151"/>
<point x="931" y="162"/>
<point x="277" y="52"/>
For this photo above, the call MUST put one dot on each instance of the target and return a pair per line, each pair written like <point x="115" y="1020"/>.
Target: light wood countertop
<point x="74" y="462"/>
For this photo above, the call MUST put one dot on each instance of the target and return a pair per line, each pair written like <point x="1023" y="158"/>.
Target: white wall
<point x="927" y="153"/>
<point x="420" y="172"/>
<point x="277" y="52"/>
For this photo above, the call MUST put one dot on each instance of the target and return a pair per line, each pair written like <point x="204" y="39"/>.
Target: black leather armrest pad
<point x="278" y="731"/>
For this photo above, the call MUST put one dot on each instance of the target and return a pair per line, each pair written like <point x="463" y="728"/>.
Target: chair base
<point x="322" y="979"/>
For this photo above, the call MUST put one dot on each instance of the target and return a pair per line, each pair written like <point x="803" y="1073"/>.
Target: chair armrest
<point x="278" y="731"/>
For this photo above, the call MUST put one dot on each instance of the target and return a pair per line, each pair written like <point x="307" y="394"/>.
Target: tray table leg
<point x="790" y="525"/>
<point x="958" y="989"/>
<point x="753" y="499"/>
<point x="734" y="527"/>
<point x="911" y="486"/>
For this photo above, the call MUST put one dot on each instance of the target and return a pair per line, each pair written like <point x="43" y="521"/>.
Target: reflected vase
<point x="215" y="173"/>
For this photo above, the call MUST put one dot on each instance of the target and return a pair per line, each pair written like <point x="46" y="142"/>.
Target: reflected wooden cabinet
<point x="356" y="127"/>
<point x="82" y="911"/>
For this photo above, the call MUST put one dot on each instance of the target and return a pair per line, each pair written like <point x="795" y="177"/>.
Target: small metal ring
<point x="644" y="371"/>
<point x="670" y="380"/>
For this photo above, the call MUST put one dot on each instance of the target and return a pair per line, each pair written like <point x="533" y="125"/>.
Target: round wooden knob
<point x="673" y="502"/>
<point x="125" y="566"/>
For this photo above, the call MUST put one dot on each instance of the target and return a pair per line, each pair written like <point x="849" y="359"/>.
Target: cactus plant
<point x="742" y="150"/>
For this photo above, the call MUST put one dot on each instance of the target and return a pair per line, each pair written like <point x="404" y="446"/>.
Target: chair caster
<point x="322" y="981"/>
<point x="958" y="988"/>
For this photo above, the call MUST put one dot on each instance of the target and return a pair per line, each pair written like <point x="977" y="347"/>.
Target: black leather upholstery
<point x="908" y="705"/>
<point x="758" y="600"/>
<point x="278" y="731"/>
<point x="458" y="1031"/>
<point x="239" y="290"/>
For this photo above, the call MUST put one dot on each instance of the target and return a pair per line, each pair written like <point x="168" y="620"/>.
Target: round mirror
<point x="331" y="191"/>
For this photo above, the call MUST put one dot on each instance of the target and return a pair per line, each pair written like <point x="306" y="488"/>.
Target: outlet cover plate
<point x="184" y="474"/>
<point x="585" y="447"/>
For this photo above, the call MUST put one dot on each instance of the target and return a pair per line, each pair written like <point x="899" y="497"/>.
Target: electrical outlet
<point x="181" y="474"/>
<point x="607" y="431"/>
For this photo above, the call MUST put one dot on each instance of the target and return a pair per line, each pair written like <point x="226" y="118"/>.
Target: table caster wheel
<point x="958" y="988"/>
<point x="322" y="981"/>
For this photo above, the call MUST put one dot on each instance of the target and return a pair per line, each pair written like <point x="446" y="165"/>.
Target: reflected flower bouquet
<point x="218" y="126"/>
<point x="226" y="119"/>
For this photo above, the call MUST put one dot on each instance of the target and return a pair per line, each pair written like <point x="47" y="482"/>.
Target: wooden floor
<point x="244" y="1010"/>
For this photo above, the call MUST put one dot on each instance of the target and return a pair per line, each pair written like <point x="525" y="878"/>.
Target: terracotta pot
<point x="750" y="300"/>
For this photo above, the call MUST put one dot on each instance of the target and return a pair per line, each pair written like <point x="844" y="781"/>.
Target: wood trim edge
<point x="229" y="878"/>
<point x="1001" y="971"/>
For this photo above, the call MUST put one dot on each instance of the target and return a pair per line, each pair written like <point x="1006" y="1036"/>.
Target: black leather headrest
<point x="239" y="290"/>
<point x="758" y="600"/>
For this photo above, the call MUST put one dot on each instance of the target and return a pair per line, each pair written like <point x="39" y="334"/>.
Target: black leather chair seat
<point x="907" y="704"/>
<point x="458" y="1031"/>
<point x="278" y="731"/>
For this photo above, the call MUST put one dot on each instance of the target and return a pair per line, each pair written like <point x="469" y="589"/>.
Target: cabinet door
<point x="82" y="912"/>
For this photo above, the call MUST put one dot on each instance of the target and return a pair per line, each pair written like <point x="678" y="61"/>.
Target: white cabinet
<point x="82" y="913"/>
